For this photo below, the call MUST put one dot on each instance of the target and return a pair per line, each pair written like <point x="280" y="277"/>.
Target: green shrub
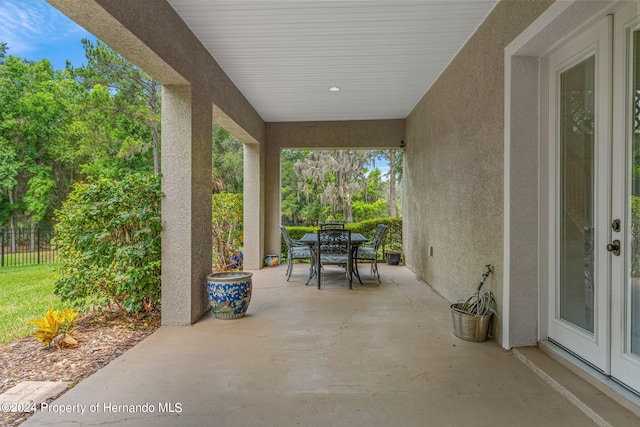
<point x="392" y="238"/>
<point x="226" y="227"/>
<point x="363" y="210"/>
<point x="108" y="234"/>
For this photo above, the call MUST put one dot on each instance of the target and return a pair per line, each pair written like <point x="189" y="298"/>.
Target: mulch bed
<point x="102" y="336"/>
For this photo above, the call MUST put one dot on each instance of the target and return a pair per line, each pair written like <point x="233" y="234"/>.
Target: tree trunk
<point x="32" y="242"/>
<point x="156" y="149"/>
<point x="348" y="212"/>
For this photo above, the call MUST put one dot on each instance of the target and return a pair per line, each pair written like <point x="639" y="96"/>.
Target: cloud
<point x="28" y="24"/>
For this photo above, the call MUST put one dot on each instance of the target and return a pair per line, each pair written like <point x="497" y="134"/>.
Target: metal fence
<point x="27" y="245"/>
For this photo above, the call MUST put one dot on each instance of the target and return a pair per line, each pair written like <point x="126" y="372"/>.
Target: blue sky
<point x="34" y="30"/>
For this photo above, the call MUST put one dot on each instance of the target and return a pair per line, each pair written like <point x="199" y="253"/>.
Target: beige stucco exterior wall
<point x="254" y="195"/>
<point x="186" y="257"/>
<point x="454" y="163"/>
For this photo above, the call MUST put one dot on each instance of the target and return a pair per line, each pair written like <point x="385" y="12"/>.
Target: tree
<point x="395" y="159"/>
<point x="227" y="228"/>
<point x="34" y="112"/>
<point x="60" y="126"/>
<point x="291" y="207"/>
<point x="124" y="107"/>
<point x="227" y="168"/>
<point x="10" y="166"/>
<point x="335" y="176"/>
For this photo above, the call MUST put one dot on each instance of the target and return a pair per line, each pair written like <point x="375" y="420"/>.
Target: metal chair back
<point x="334" y="247"/>
<point x="287" y="238"/>
<point x="296" y="250"/>
<point x="368" y="252"/>
<point x="378" y="236"/>
<point x="332" y="226"/>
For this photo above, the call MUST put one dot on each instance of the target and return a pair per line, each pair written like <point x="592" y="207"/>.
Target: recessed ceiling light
<point x="334" y="89"/>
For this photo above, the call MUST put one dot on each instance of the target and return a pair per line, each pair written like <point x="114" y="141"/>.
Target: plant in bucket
<point x="471" y="319"/>
<point x="229" y="293"/>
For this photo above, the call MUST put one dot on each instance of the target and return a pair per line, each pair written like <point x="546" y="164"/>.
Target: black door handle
<point x="614" y="247"/>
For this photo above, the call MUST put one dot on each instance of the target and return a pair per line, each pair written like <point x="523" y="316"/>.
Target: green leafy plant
<point x="56" y="328"/>
<point x="108" y="234"/>
<point x="227" y="229"/>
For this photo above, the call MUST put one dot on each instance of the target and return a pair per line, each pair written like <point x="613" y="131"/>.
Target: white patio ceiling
<point x="285" y="55"/>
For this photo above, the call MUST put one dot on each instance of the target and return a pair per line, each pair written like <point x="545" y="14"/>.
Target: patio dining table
<point x="311" y="239"/>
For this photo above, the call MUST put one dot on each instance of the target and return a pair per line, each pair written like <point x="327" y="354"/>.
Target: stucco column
<point x="521" y="204"/>
<point x="273" y="198"/>
<point x="253" y="207"/>
<point x="186" y="207"/>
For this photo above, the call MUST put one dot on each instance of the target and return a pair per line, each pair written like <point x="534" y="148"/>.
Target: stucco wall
<point x="454" y="163"/>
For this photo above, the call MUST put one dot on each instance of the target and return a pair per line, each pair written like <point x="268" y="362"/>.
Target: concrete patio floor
<point x="379" y="355"/>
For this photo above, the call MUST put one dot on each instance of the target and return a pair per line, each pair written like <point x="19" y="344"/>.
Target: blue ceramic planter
<point x="229" y="293"/>
<point x="271" y="260"/>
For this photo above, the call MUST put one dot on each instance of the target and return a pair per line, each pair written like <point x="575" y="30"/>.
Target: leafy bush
<point x="226" y="225"/>
<point x="108" y="234"/>
<point x="56" y="327"/>
<point x="363" y="210"/>
<point x="392" y="238"/>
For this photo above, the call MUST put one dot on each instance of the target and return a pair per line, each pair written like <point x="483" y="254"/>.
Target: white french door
<point x="625" y="199"/>
<point x="580" y="141"/>
<point x="594" y="253"/>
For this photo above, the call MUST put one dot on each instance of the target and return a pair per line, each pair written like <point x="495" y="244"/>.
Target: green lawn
<point x="26" y="292"/>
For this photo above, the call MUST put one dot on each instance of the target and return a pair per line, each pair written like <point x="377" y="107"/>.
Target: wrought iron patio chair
<point x="296" y="250"/>
<point x="332" y="226"/>
<point x="368" y="252"/>
<point x="334" y="247"/>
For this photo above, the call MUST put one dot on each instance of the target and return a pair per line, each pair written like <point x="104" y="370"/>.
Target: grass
<point x="26" y="292"/>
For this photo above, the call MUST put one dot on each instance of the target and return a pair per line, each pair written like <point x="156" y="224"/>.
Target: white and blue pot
<point x="229" y="293"/>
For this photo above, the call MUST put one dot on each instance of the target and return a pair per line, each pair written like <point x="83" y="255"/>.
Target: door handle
<point x="615" y="225"/>
<point x="614" y="247"/>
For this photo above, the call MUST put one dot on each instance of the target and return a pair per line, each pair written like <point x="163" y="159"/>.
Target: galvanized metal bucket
<point x="470" y="327"/>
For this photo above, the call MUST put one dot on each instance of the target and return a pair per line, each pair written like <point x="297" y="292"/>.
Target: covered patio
<point x="463" y="88"/>
<point x="380" y="355"/>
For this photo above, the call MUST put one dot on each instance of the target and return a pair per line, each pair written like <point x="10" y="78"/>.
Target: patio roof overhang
<point x="284" y="56"/>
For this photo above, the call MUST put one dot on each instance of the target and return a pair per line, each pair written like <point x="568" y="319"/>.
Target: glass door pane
<point x="576" y="213"/>
<point x="625" y="198"/>
<point x="633" y="291"/>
